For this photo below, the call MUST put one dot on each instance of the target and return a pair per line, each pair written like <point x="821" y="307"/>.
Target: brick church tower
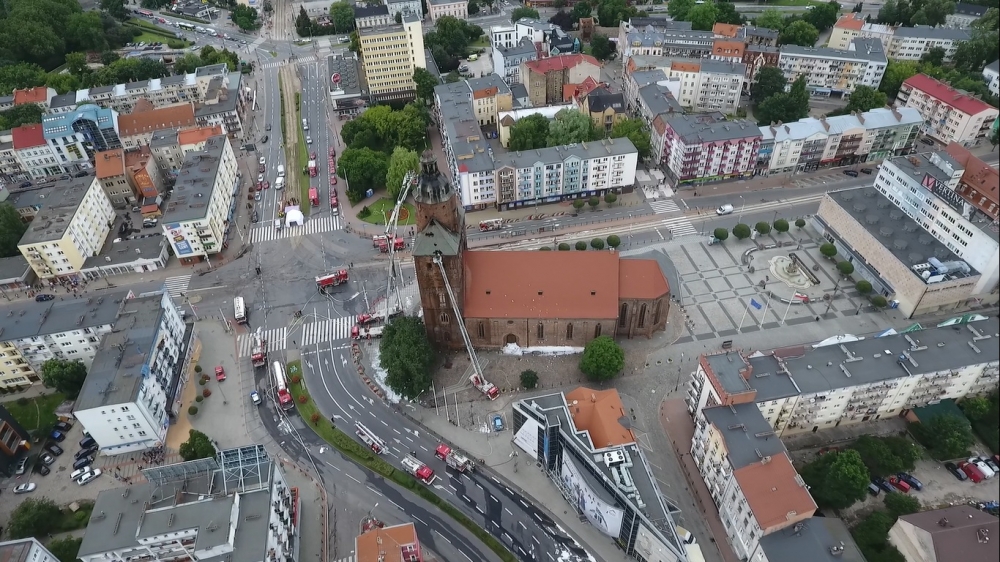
<point x="440" y="234"/>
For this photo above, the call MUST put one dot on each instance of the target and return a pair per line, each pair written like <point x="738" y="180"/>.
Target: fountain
<point x="787" y="271"/>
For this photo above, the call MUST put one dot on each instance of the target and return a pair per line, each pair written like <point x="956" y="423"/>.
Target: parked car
<point x="309" y="140"/>
<point x="256" y="196"/>
<point x="64" y="426"/>
<point x="78" y="473"/>
<point x="58" y="436"/>
<point x="260" y="178"/>
<point x="911" y="480"/>
<point x="263" y="139"/>
<point x="971" y="471"/>
<point x="881" y="483"/>
<point x="955" y="471"/>
<point x="44" y="297"/>
<point x="86" y="452"/>
<point x="990" y="463"/>
<point x="899" y="484"/>
<point x="87" y="478"/>
<point x="255" y="398"/>
<point x="47" y="459"/>
<point x="983" y="467"/>
<point x="56" y="450"/>
<point x="43" y="470"/>
<point x="22" y="467"/>
<point x="87" y="441"/>
<point x="873" y="489"/>
<point x="852" y="173"/>
<point x="82" y="463"/>
<point x="25" y="488"/>
<point x="267" y="128"/>
<point x="927" y="141"/>
<point x="866" y="171"/>
<point x="220" y="373"/>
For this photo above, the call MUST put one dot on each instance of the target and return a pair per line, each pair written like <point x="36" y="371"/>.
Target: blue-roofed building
<point x="75" y="136"/>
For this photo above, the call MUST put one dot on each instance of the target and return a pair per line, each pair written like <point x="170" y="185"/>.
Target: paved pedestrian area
<point x="267" y="233"/>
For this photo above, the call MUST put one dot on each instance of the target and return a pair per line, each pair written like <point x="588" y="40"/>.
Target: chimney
<point x="747" y="372"/>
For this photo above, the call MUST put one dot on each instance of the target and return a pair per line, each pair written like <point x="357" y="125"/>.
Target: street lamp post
<point x="743" y="205"/>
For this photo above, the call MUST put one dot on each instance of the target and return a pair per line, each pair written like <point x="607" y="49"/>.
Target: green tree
<point x="597" y="243"/>
<point x="975" y="407"/>
<point x="823" y="16"/>
<point x="771" y="81"/>
<point x="529" y="379"/>
<point x="800" y="33"/>
<point x="198" y="446"/>
<point x="474" y="8"/>
<point x="303" y="23"/>
<point x="342" y="16"/>
<point x="872" y="531"/>
<point x="407" y="357"/>
<point x="65" y="376"/>
<point x="610" y="13"/>
<point x="20" y="76"/>
<point x="33" y="518"/>
<point x="720" y="234"/>
<point x="86" y="32"/>
<point x="726" y="13"/>
<point x="741" y="231"/>
<point x="570" y="127"/>
<point x="995" y="138"/>
<point x="878" y="301"/>
<point x="426" y="82"/>
<point x="845" y="268"/>
<point x="781" y="225"/>
<point x="578" y="204"/>
<point x="364" y="169"/>
<point x="863" y="287"/>
<point x="245" y="17"/>
<point x="799" y="223"/>
<point x="65" y="549"/>
<point x="610" y="198"/>
<point x="564" y="247"/>
<point x="879" y="460"/>
<point x="762" y="227"/>
<point x="401" y="162"/>
<point x="828" y="249"/>
<point x="837" y="480"/>
<point x="529" y="133"/>
<point x="951" y="436"/>
<point x="934" y="56"/>
<point x="601" y="47"/>
<point x="115" y="9"/>
<point x="678" y="9"/>
<point x="932" y="12"/>
<point x="896" y="72"/>
<point x="703" y="16"/>
<point x="602" y="359"/>
<point x="581" y="246"/>
<point x="12" y="228"/>
<point x="635" y="130"/>
<point x="901" y="504"/>
<point x="787" y="107"/>
<point x="523" y="13"/>
<point x="594" y="202"/>
<point x="771" y="19"/>
<point x="865" y="98"/>
<point x="614" y="241"/>
<point x="581" y="9"/>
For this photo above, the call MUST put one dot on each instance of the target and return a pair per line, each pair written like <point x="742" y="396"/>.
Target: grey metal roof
<point x="144" y="246"/>
<point x="661" y="22"/>
<point x="769" y="380"/>
<point x="211" y="70"/>
<point x="902" y="236"/>
<point x="195" y="182"/>
<point x="752" y="31"/>
<point x="669" y="38"/>
<point x="969" y="9"/>
<point x="812" y="541"/>
<point x="435" y="238"/>
<point x="928" y="32"/>
<point x="163" y="138"/>
<point x="694" y="130"/>
<point x="524" y="48"/>
<point x="380" y="29"/>
<point x="490" y="80"/>
<point x="748" y="436"/>
<point x="13" y="269"/>
<point x="518" y="90"/>
<point x="994" y="66"/>
<point x="659" y="100"/>
<point x="35" y="197"/>
<point x="59" y="208"/>
<point x="864" y="49"/>
<point x="554" y="154"/>
<point x="600" y="99"/>
<point x="63" y="100"/>
<point x="347" y="68"/>
<point x="465" y="138"/>
<point x="173" y="79"/>
<point x="101" y="90"/>
<point x="226" y="102"/>
<point x="411" y="18"/>
<point x="370" y="11"/>
<point x="29" y="319"/>
<point x="115" y="376"/>
<point x="6" y="100"/>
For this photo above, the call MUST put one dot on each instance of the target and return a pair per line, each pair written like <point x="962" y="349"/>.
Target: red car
<point x="312" y="155"/>
<point x="333" y="152"/>
<point x="220" y="373"/>
<point x="267" y="184"/>
<point x="333" y="180"/>
<point x="899" y="484"/>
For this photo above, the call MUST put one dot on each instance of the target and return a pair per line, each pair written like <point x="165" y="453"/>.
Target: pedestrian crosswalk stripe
<point x="266" y="232"/>
<point x="678" y="226"/>
<point x="664" y="206"/>
<point x="275" y="341"/>
<point x="326" y="330"/>
<point x="275" y="64"/>
<point x="176" y="285"/>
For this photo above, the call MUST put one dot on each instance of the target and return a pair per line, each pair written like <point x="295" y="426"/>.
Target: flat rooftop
<point x="142" y="246"/>
<point x="812" y="541"/>
<point x="748" y="436"/>
<point x="30" y="319"/>
<point x="195" y="183"/>
<point x="54" y="217"/>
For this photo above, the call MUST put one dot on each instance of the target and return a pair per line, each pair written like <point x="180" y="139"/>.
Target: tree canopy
<point x="401" y="162"/>
<point x="771" y="19"/>
<point x="570" y="126"/>
<point x="770" y="81"/>
<point x="948" y="436"/>
<point x="65" y="376"/>
<point x="800" y="33"/>
<point x="450" y="40"/>
<point x="426" y="82"/>
<point x="837" y="480"/>
<point x="529" y="133"/>
<point x="601" y="47"/>
<point x="12" y="228"/>
<point x="65" y="549"/>
<point x="886" y="456"/>
<point x="634" y="130"/>
<point x="364" y="169"/>
<point x="198" y="446"/>
<point x="602" y="359"/>
<point x="407" y="357"/>
<point x="33" y="518"/>
<point x="245" y="17"/>
<point x="785" y="107"/>
<point x="915" y="12"/>
<point x="865" y="98"/>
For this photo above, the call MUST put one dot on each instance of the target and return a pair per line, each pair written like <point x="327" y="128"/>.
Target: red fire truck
<point x="378" y="316"/>
<point x="491" y="224"/>
<point x="312" y="165"/>
<point x="454" y="460"/>
<point x="482" y="385"/>
<point x="259" y="355"/>
<point x="314" y="196"/>
<point x="418" y="470"/>
<point x="357" y="332"/>
<point x="327" y="282"/>
<point x="334" y="205"/>
<point x="369" y="438"/>
<point x="382" y="243"/>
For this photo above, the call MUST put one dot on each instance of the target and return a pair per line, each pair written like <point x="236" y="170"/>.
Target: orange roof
<point x="686" y="67"/>
<point x="726" y="29"/>
<point x="641" y="279"/>
<point x="722" y="48"/>
<point x="174" y="117"/>
<point x="38" y="94"/>
<point x="138" y="158"/>
<point x="571" y="91"/>
<point x="773" y="491"/>
<point x="387" y="544"/>
<point x="109" y="164"/>
<point x="199" y="135"/>
<point x="980" y="181"/>
<point x="853" y="21"/>
<point x="561" y="62"/>
<point x="598" y="412"/>
<point x="541" y="285"/>
<point x="27" y="136"/>
<point x="487" y="92"/>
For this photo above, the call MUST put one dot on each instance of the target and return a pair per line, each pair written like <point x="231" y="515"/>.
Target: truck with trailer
<point x="369" y="438"/>
<point x="418" y="470"/>
<point x="453" y="459"/>
<point x="366" y="332"/>
<point x="484" y="386"/>
<point x="325" y="283"/>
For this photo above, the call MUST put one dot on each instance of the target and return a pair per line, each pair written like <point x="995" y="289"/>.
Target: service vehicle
<point x="258" y="356"/>
<point x="255" y="398"/>
<point x="484" y="386"/>
<point x="418" y="470"/>
<point x="359" y="332"/>
<point x="368" y="437"/>
<point x="378" y="316"/>
<point x="281" y="387"/>
<point x="312" y="168"/>
<point x="325" y="283"/>
<point x="281" y="171"/>
<point x="334" y="205"/>
<point x="491" y="224"/>
<point x="314" y="196"/>
<point x="240" y="307"/>
<point x="220" y="373"/>
<point x="397" y="244"/>
<point x="453" y="459"/>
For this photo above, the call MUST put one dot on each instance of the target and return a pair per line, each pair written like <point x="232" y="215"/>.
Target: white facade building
<point x="832" y="70"/>
<point x="132" y="385"/>
<point x="405" y="8"/>
<point x="25" y="550"/>
<point x="964" y="15"/>
<point x="437" y="9"/>
<point x="991" y="74"/>
<point x="34" y="154"/>
<point x="503" y="36"/>
<point x="507" y="60"/>
<point x="912" y="43"/>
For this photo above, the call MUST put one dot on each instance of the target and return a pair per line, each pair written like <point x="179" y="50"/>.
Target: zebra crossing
<point x="678" y="226"/>
<point x="266" y="232"/>
<point x="350" y="558"/>
<point x="664" y="206"/>
<point x="327" y="330"/>
<point x="273" y="64"/>
<point x="176" y="285"/>
<point x="275" y="341"/>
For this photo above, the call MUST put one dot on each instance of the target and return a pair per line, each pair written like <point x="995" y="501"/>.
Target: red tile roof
<point x="39" y="94"/>
<point x="571" y="91"/>
<point x="774" y="492"/>
<point x="199" y="135"/>
<point x="946" y="94"/>
<point x="147" y="121"/>
<point x="850" y="21"/>
<point x="387" y="544"/>
<point x="980" y="182"/>
<point x="726" y="30"/>
<point x="109" y="164"/>
<point x="641" y="279"/>
<point x="599" y="413"/>
<point x="561" y="62"/>
<point x="28" y="136"/>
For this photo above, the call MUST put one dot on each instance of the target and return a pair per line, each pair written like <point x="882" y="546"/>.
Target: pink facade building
<point x="702" y="148"/>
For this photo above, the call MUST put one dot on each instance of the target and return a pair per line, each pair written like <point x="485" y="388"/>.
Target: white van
<point x="281" y="171"/>
<point x="277" y="224"/>
<point x="199" y="29"/>
<point x="305" y="125"/>
<point x="279" y="183"/>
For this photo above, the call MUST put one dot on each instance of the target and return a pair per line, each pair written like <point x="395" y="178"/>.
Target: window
<point x="482" y="331"/>
<point x="569" y="331"/>
<point x="541" y="331"/>
<point x="642" y="316"/>
<point x="623" y="314"/>
<point x="443" y="318"/>
<point x="442" y="300"/>
<point x="597" y="331"/>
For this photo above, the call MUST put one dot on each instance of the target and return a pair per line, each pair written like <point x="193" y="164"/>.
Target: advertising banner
<point x="607" y="518"/>
<point x="527" y="437"/>
<point x="651" y="548"/>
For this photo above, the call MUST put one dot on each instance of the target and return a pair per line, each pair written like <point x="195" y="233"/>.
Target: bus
<point x="145" y="13"/>
<point x="281" y="388"/>
<point x="240" y="310"/>
<point x="314" y="196"/>
<point x="185" y="26"/>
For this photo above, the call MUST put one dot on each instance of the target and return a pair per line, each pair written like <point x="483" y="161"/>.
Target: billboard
<point x="606" y="517"/>
<point x="651" y="548"/>
<point x="527" y="437"/>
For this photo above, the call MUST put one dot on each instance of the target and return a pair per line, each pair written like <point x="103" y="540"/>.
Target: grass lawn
<point x="382" y="209"/>
<point x="154" y="38"/>
<point x="481" y="43"/>
<point x="36" y="412"/>
<point x="303" y="161"/>
<point x="69" y="521"/>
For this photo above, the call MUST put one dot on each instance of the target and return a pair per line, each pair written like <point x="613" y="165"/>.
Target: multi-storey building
<point x="129" y="395"/>
<point x="964" y="15"/>
<point x="15" y="441"/>
<point x="33" y="152"/>
<point x="137" y="128"/>
<point x="978" y="185"/>
<point x="130" y="178"/>
<point x="72" y="226"/>
<point x="811" y="143"/>
<point x="26" y="550"/>
<point x="832" y="71"/>
<point x="854" y="25"/>
<point x="507" y="61"/>
<point x="697" y="148"/>
<point x="372" y="16"/>
<point x="657" y="99"/>
<point x="437" y="9"/>
<point x="405" y="8"/>
<point x="909" y="267"/>
<point x="171" y="90"/>
<point x="489" y="95"/>
<point x="604" y="108"/>
<point x="749" y="475"/>
<point x="926" y="187"/>
<point x="76" y="135"/>
<point x="589" y="454"/>
<point x="199" y="213"/>
<point x="991" y="75"/>
<point x="949" y="115"/>
<point x="660" y="42"/>
<point x="11" y="171"/>
<point x="469" y="155"/>
<point x="389" y="56"/>
<point x="33" y="333"/>
<point x="564" y="172"/>
<point x="546" y="78"/>
<point x="703" y="84"/>
<point x="235" y="505"/>
<point x="344" y="79"/>
<point x="962" y="530"/>
<point x="39" y="95"/>
<point x="223" y="104"/>
<point x="392" y="543"/>
<point x="756" y="57"/>
<point x="912" y="43"/>
<point x="504" y="36"/>
<point x="169" y="146"/>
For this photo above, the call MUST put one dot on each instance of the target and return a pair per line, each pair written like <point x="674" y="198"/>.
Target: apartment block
<point x="392" y="543"/>
<point x="72" y="226"/>
<point x="991" y="75"/>
<point x="33" y="152"/>
<point x="832" y="71"/>
<point x="389" y="56"/>
<point x="549" y="39"/>
<point x="749" y="475"/>
<point x="32" y="333"/>
<point x="838" y="383"/>
<point x="810" y="143"/>
<point x="854" y="26"/>
<point x="76" y="135"/>
<point x="949" y="114"/>
<point x="25" y="550"/>
<point x="405" y="8"/>
<point x="605" y="108"/>
<point x="657" y="99"/>
<point x="912" y="43"/>
<point x="437" y="9"/>
<point x="129" y="178"/>
<point x="564" y="172"/>
<point x="665" y="42"/>
<point x="507" y="61"/>
<point x="198" y="214"/>
<point x="490" y="95"/>
<point x="372" y="16"/>
<point x="161" y="92"/>
<point x="128" y="398"/>
<point x="137" y="128"/>
<point x="15" y="442"/>
<point x="545" y="79"/>
<point x="747" y="34"/>
<point x="909" y="267"/>
<point x="469" y="155"/>
<point x="11" y="171"/>
<point x="168" y="147"/>
<point x="698" y="148"/>
<point x="927" y="188"/>
<point x="964" y="15"/>
<point x="39" y="95"/>
<point x="958" y="530"/>
<point x="224" y="104"/>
